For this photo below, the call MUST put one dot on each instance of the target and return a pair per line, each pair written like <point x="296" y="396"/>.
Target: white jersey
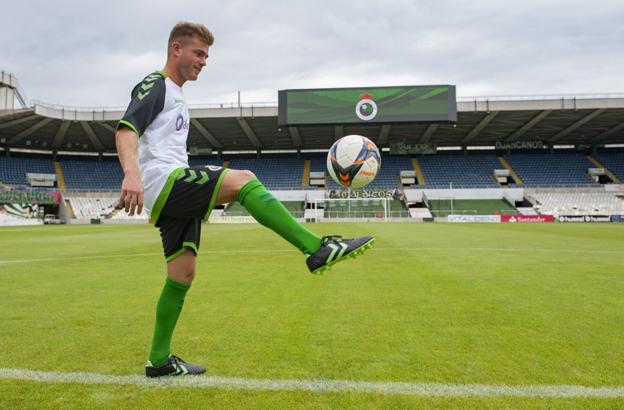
<point x="159" y="116"/>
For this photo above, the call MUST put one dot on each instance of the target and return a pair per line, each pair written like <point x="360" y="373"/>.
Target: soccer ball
<point x="353" y="161"/>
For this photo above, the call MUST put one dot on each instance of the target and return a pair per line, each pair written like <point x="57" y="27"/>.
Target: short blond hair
<point x="185" y="29"/>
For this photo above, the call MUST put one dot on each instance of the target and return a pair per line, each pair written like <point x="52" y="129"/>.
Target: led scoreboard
<point x="417" y="103"/>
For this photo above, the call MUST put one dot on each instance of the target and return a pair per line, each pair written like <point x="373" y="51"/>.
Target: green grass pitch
<point x="531" y="304"/>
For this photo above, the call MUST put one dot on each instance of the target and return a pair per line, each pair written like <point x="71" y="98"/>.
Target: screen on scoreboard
<point x="422" y="103"/>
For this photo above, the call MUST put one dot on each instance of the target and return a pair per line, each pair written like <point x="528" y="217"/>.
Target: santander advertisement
<point x="527" y="218"/>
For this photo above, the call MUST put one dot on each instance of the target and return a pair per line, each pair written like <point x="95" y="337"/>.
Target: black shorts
<point x="192" y="197"/>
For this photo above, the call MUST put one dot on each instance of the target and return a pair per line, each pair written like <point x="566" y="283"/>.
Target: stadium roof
<point x="483" y="121"/>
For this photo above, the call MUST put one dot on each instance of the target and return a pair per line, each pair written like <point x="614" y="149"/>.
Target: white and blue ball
<point x="353" y="161"/>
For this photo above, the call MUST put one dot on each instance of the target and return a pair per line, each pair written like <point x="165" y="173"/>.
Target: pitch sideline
<point x="320" y="386"/>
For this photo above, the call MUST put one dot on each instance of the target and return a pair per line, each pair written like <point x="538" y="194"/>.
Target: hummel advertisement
<point x="584" y="218"/>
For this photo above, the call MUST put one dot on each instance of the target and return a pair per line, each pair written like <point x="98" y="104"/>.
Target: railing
<point x="260" y="104"/>
<point x="537" y="97"/>
<point x="494" y="186"/>
<point x="273" y="104"/>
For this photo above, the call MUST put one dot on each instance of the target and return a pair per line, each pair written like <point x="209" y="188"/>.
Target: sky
<point x="91" y="54"/>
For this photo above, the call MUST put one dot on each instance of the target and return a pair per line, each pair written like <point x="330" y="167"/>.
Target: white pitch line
<point x="320" y="386"/>
<point x="243" y="251"/>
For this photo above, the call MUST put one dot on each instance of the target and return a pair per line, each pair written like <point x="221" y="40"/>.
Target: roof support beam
<point x="527" y="126"/>
<point x="206" y="134"/>
<point x="479" y="127"/>
<point x="426" y="137"/>
<point x="338" y="132"/>
<point x="382" y="137"/>
<point x="295" y="137"/>
<point x="29" y="130"/>
<point x="13" y="113"/>
<point x="608" y="132"/>
<point x="108" y="127"/>
<point x="19" y="121"/>
<point x="576" y="124"/>
<point x="251" y="135"/>
<point x="95" y="141"/>
<point x="60" y="134"/>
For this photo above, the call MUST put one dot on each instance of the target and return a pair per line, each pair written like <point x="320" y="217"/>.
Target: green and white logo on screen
<point x="366" y="108"/>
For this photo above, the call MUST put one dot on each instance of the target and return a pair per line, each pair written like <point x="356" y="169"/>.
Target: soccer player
<point x="151" y="143"/>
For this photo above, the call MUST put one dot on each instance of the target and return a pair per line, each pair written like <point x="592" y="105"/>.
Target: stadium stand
<point x="43" y="198"/>
<point x="13" y="169"/>
<point x="276" y="173"/>
<point x="11" y="220"/>
<point x="363" y="208"/>
<point x="464" y="171"/>
<point x="86" y="208"/>
<point x="387" y="178"/>
<point x="445" y="207"/>
<point x="613" y="160"/>
<point x="284" y="173"/>
<point x="391" y="166"/>
<point x="538" y="169"/>
<point x="577" y="203"/>
<point x="100" y="207"/>
<point x="202" y="161"/>
<point x="296" y="208"/>
<point x="91" y="174"/>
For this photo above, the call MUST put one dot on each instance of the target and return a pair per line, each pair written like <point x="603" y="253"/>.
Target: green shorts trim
<point x="185" y="245"/>
<point x="215" y="193"/>
<point x="164" y="194"/>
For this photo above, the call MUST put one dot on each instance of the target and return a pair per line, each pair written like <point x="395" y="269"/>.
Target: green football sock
<point x="271" y="213"/>
<point x="167" y="313"/>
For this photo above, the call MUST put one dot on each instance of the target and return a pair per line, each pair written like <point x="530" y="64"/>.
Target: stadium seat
<point x="613" y="160"/>
<point x="89" y="174"/>
<point x="387" y="177"/>
<point x="577" y="203"/>
<point x="13" y="170"/>
<point x="560" y="169"/>
<point x="462" y="171"/>
<point x="276" y="173"/>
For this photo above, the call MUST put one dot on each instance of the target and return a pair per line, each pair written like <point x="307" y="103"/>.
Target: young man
<point x="151" y="143"/>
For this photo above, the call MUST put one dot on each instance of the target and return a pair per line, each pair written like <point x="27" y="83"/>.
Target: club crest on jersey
<point x="181" y="123"/>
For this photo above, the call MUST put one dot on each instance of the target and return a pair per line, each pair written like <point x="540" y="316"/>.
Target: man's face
<point x="191" y="57"/>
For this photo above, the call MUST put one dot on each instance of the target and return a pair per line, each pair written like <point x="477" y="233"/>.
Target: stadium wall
<point x="511" y="194"/>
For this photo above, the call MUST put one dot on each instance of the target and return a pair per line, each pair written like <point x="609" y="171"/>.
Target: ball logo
<point x="366" y="108"/>
<point x="181" y="123"/>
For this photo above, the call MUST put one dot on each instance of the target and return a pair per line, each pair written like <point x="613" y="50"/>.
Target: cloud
<point x="88" y="54"/>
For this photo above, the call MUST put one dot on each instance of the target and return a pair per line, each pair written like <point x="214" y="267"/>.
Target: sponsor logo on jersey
<point x="213" y="167"/>
<point x="181" y="123"/>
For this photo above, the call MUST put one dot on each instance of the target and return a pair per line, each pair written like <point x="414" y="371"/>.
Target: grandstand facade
<point x="490" y="121"/>
<point x="561" y="156"/>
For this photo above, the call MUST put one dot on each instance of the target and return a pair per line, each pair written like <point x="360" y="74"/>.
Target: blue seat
<point x="13" y="170"/>
<point x="387" y="177"/>
<point x="613" y="160"/>
<point x="462" y="171"/>
<point x="559" y="169"/>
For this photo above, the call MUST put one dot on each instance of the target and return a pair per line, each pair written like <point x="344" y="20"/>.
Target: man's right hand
<point x="131" y="194"/>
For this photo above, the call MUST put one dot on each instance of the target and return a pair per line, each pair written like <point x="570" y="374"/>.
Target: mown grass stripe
<point x="286" y="250"/>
